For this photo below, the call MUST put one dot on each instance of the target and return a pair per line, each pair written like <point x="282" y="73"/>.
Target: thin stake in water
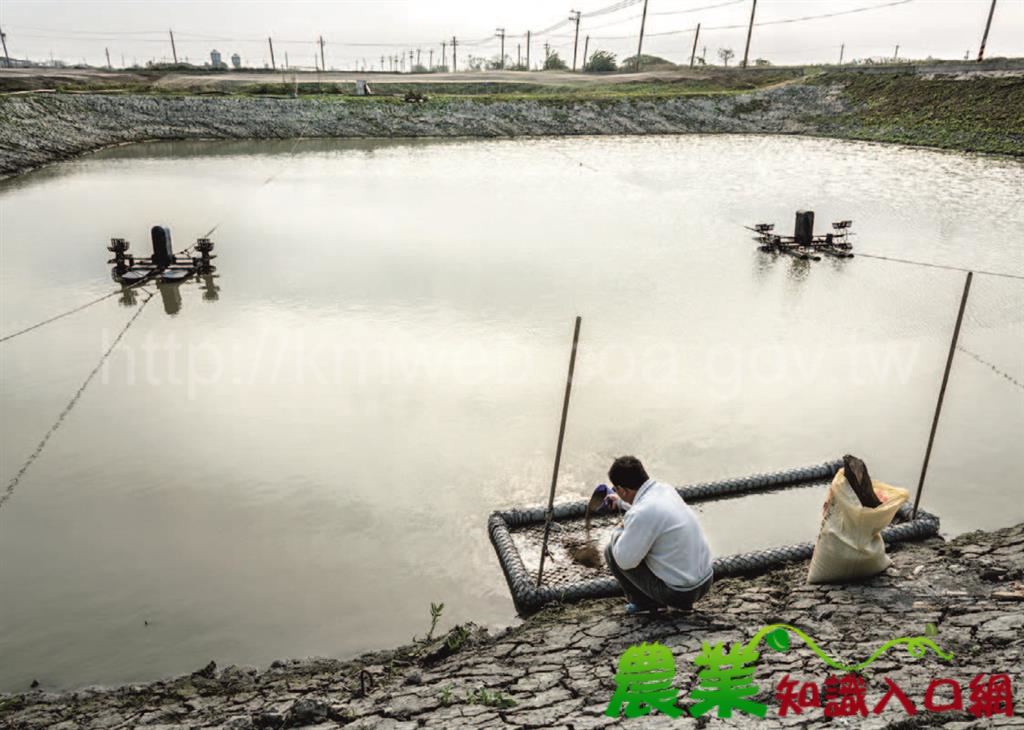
<point x="942" y="390"/>
<point x="558" y="452"/>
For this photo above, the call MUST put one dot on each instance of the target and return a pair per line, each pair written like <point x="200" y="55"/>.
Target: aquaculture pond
<point x="297" y="456"/>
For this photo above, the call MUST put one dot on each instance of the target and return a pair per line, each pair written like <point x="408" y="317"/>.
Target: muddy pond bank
<point x="556" y="669"/>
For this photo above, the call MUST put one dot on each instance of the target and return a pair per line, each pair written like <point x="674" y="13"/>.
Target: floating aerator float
<point x="164" y="264"/>
<point x="804" y="244"/>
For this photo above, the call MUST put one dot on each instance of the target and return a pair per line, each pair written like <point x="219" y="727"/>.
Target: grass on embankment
<point x="980" y="114"/>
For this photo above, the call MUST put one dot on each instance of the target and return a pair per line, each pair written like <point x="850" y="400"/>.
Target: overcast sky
<point x="74" y="30"/>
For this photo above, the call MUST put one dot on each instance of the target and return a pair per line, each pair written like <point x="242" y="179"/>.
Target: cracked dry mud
<point x="557" y="667"/>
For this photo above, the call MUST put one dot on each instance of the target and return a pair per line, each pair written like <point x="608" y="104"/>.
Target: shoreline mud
<point x="557" y="668"/>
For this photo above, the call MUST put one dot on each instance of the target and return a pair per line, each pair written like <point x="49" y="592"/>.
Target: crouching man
<point x="660" y="556"/>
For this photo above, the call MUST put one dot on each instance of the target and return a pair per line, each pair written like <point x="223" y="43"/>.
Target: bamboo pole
<point x="558" y="452"/>
<point x="942" y="390"/>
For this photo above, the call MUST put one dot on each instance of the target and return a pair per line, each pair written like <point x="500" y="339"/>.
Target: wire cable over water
<point x="13" y="483"/>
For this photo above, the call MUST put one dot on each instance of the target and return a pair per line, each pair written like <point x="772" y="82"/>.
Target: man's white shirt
<point x="662" y="530"/>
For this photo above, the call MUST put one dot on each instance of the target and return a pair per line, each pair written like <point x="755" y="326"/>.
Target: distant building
<point x="236" y="60"/>
<point x="215" y="61"/>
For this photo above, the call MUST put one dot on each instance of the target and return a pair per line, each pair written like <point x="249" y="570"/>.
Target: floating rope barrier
<point x="13" y="484"/>
<point x="1003" y="274"/>
<point x="529" y="598"/>
<point x="996" y="370"/>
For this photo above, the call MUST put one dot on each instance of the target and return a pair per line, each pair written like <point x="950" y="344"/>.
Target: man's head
<point x="627" y="476"/>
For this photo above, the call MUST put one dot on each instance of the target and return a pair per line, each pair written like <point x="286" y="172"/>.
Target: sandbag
<point x="850" y="544"/>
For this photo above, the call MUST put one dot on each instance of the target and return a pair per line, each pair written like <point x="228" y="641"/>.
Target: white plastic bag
<point x="850" y="543"/>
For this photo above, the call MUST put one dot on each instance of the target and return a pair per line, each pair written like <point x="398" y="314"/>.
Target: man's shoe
<point x="632" y="609"/>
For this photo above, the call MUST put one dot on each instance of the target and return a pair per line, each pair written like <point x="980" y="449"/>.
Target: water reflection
<point x="397" y="327"/>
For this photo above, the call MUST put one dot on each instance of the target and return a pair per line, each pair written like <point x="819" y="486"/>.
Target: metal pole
<point x="323" y="65"/>
<point x="273" y="64"/>
<point x="586" y="45"/>
<point x="575" y="44"/>
<point x="842" y="50"/>
<point x="750" y="30"/>
<point x="527" y="50"/>
<point x="942" y="390"/>
<point x="558" y="452"/>
<point x="640" y="45"/>
<point x="455" y="63"/>
<point x="896" y="53"/>
<point x="108" y="58"/>
<point x="984" y="38"/>
<point x="174" y="51"/>
<point x="3" y="40"/>
<point x="693" y="53"/>
<point x="444" y="53"/>
<point x="500" y="32"/>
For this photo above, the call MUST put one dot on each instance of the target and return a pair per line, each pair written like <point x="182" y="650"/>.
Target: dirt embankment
<point x="972" y="112"/>
<point x="37" y="129"/>
<point x="557" y="669"/>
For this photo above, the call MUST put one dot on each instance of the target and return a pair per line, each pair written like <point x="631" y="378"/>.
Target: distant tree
<point x="419" y="69"/>
<point x="726" y="55"/>
<point x="475" y="63"/>
<point x="495" y="63"/>
<point x="762" y="62"/>
<point x="601" y="62"/>
<point x="554" y="62"/>
<point x="440" y="69"/>
<point x="647" y="63"/>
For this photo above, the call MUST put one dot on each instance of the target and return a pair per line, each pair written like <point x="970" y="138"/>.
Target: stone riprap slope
<point x="37" y="129"/>
<point x="557" y="669"/>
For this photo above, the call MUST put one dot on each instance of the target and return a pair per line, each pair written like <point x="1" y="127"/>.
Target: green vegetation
<point x="490" y="699"/>
<point x="554" y="62"/>
<point x="601" y="62"/>
<point x="982" y="114"/>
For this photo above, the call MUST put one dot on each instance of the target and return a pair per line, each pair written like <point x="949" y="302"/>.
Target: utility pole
<point x="519" y="55"/>
<point x="896" y="54"/>
<point x="382" y="63"/>
<point x="286" y="60"/>
<point x="500" y="32"/>
<point x="640" y="45"/>
<point x="547" y="52"/>
<point x="527" y="50"/>
<point x="323" y="65"/>
<point x="411" y="66"/>
<point x="174" y="51"/>
<point x="109" y="67"/>
<point x="444" y="55"/>
<point x="842" y="49"/>
<point x="574" y="15"/>
<point x="3" y="40"/>
<point x="455" y="63"/>
<point x="431" y="59"/>
<point x="984" y="38"/>
<point x="417" y="56"/>
<point x="693" y="53"/>
<point x="750" y="30"/>
<point x="586" y="45"/>
<point x="273" y="64"/>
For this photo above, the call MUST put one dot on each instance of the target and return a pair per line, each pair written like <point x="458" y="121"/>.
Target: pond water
<point x="298" y="456"/>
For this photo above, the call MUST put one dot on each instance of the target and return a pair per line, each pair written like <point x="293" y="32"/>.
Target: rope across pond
<point x="529" y="598"/>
